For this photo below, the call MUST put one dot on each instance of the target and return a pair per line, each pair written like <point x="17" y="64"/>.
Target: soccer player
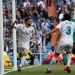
<point x="66" y="29"/>
<point x="24" y="31"/>
<point x="65" y="55"/>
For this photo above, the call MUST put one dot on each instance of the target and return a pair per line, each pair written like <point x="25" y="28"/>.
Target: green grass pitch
<point x="40" y="70"/>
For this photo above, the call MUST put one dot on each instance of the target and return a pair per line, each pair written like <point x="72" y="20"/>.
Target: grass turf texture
<point x="40" y="70"/>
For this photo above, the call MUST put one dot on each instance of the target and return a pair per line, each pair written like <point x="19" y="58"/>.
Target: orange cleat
<point x="64" y="68"/>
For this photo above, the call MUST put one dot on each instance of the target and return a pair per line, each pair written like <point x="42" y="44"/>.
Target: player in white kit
<point x="24" y="31"/>
<point x="66" y="29"/>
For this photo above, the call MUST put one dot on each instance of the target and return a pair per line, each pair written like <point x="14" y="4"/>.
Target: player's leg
<point x="58" y="50"/>
<point x="64" y="61"/>
<point x="23" y="59"/>
<point x="52" y="62"/>
<point x="68" y="49"/>
<point x="20" y="53"/>
<point x="68" y="62"/>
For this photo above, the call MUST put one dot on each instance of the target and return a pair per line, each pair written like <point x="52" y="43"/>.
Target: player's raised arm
<point x="13" y="24"/>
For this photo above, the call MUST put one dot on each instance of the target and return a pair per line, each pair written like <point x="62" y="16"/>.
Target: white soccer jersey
<point x="24" y="35"/>
<point x="67" y="29"/>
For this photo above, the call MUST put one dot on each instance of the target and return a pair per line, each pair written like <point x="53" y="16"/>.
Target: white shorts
<point x="60" y="48"/>
<point x="22" y="46"/>
<point x="66" y="41"/>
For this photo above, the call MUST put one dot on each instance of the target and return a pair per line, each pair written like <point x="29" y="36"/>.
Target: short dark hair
<point x="67" y="16"/>
<point x="27" y="18"/>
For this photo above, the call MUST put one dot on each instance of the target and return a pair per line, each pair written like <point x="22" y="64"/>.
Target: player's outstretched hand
<point x="43" y="35"/>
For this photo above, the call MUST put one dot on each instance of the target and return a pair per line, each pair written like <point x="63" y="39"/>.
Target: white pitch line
<point x="7" y="69"/>
<point x="22" y="68"/>
<point x="30" y="66"/>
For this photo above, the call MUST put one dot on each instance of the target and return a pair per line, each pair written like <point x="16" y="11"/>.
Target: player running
<point x="24" y="31"/>
<point x="66" y="29"/>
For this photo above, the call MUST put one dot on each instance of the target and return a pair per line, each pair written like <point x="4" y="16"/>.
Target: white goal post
<point x="1" y="39"/>
<point x="14" y="35"/>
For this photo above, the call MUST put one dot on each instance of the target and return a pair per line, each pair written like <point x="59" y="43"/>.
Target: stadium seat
<point x="48" y="46"/>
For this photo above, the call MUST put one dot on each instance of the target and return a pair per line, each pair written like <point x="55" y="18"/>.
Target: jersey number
<point x="68" y="30"/>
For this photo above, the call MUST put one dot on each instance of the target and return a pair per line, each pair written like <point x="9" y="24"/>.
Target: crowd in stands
<point x="65" y="6"/>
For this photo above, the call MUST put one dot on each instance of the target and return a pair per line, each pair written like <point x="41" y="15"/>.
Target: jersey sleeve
<point x="33" y="31"/>
<point x="59" y="26"/>
<point x="18" y="26"/>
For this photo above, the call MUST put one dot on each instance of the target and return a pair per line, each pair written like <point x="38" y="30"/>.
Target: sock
<point x="23" y="59"/>
<point x="65" y="59"/>
<point x="68" y="59"/>
<point x="52" y="63"/>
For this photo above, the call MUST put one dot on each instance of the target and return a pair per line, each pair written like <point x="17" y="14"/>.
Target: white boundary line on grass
<point x="7" y="69"/>
<point x="22" y="68"/>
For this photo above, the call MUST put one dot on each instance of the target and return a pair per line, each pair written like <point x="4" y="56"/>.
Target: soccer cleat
<point x="64" y="68"/>
<point x="48" y="71"/>
<point x="19" y="69"/>
<point x="68" y="69"/>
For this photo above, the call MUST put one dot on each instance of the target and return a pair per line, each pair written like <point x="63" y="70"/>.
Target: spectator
<point x="61" y="15"/>
<point x="26" y="3"/>
<point x="41" y="3"/>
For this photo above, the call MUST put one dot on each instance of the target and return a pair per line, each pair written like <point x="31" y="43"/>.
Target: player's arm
<point x="58" y="28"/>
<point x="57" y="39"/>
<point x="13" y="24"/>
<point x="52" y="31"/>
<point x="59" y="35"/>
<point x="33" y="36"/>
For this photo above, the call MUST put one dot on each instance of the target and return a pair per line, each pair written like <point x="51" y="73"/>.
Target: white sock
<point x="52" y="63"/>
<point x="68" y="59"/>
<point x="23" y="59"/>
